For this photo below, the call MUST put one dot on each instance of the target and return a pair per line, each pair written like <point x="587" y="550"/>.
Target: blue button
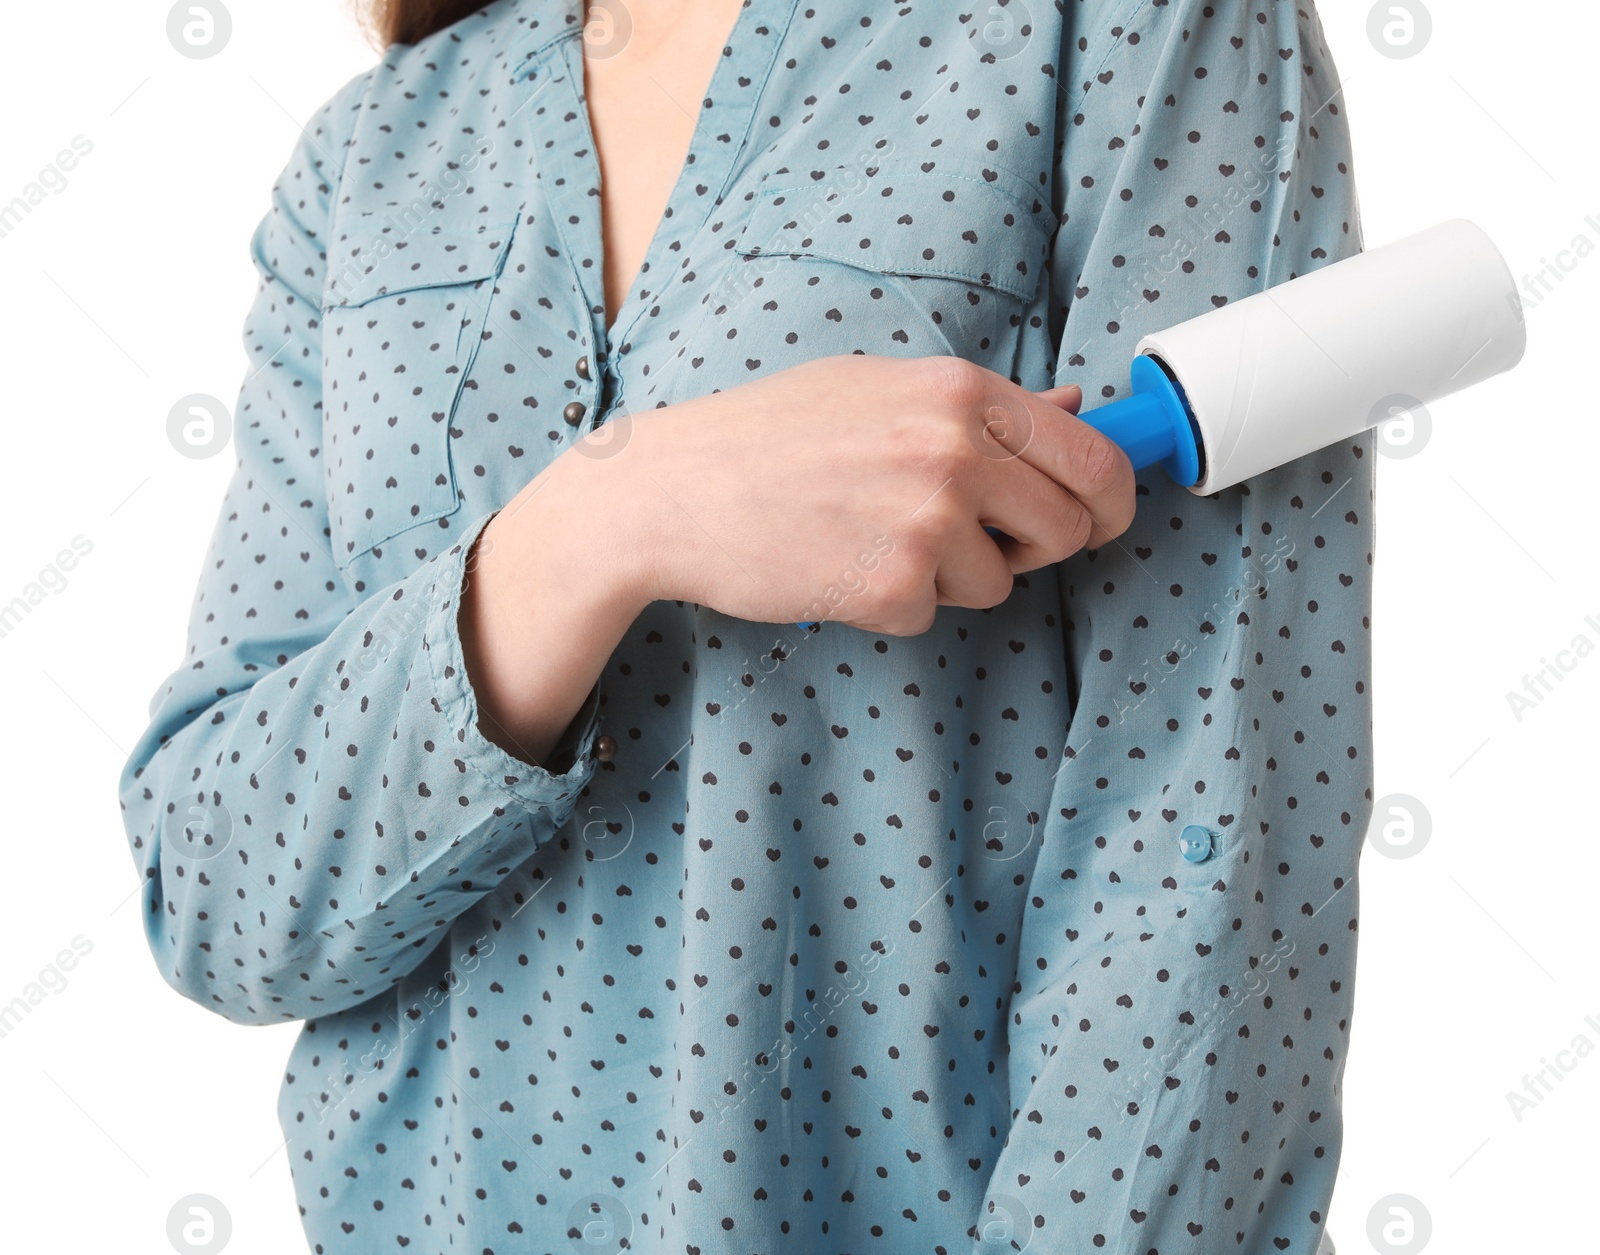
<point x="1195" y="842"/>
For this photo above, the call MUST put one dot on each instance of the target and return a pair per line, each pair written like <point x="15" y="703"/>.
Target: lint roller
<point x="1319" y="359"/>
<point x="1308" y="363"/>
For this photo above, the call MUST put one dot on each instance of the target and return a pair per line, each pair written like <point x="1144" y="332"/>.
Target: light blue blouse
<point x="1036" y="929"/>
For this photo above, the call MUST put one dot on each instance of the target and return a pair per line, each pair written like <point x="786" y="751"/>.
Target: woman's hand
<point x="850" y="488"/>
<point x="854" y="489"/>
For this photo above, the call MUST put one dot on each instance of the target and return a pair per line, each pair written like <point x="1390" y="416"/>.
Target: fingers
<point x="1068" y="529"/>
<point x="973" y="571"/>
<point x="1042" y="433"/>
<point x="1049" y="483"/>
<point x="1043" y="522"/>
<point x="1068" y="397"/>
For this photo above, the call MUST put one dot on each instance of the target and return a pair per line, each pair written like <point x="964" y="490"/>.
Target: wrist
<point x="542" y="608"/>
<point x="543" y="561"/>
<point x="604" y="544"/>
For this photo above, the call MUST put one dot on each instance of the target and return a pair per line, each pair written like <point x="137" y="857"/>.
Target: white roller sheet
<point x="1307" y="363"/>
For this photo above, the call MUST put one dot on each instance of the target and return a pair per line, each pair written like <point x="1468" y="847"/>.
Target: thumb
<point x="1069" y="397"/>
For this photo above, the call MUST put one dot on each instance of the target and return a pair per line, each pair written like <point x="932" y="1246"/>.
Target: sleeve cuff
<point x="553" y="788"/>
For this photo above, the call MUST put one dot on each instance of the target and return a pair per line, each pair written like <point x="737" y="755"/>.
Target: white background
<point x="127" y="289"/>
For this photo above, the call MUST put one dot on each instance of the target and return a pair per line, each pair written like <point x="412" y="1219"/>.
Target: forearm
<point x="550" y="591"/>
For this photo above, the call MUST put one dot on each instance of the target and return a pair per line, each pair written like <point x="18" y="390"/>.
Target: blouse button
<point x="1194" y="843"/>
<point x="574" y="412"/>
<point x="605" y="748"/>
<point x="583" y="367"/>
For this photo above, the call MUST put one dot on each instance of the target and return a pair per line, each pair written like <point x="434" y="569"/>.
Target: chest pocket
<point x="951" y="219"/>
<point x="403" y="312"/>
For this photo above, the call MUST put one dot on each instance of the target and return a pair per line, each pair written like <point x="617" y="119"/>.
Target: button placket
<point x="565" y="164"/>
<point x="590" y="402"/>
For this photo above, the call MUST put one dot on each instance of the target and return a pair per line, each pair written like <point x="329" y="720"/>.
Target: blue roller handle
<point x="1152" y="426"/>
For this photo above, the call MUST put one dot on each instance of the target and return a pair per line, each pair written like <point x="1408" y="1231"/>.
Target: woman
<point x="1012" y="902"/>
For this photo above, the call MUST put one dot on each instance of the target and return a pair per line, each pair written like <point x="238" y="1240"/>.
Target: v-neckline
<point x="687" y="166"/>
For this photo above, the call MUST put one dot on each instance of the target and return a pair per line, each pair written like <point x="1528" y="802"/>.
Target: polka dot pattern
<point x="854" y="942"/>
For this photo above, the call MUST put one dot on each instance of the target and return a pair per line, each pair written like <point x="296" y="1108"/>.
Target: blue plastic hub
<point x="1153" y="425"/>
